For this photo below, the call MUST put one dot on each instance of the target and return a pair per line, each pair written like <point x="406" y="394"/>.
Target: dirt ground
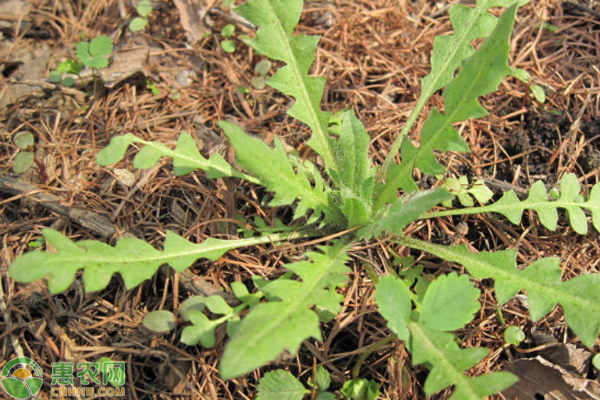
<point x="173" y="77"/>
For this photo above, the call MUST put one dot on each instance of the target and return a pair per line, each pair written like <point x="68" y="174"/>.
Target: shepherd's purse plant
<point x="349" y="193"/>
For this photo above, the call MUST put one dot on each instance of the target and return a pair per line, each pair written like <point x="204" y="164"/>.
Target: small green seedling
<point x="113" y="380"/>
<point x="465" y="193"/>
<point x="160" y="321"/>
<point x="514" y="335"/>
<point x="139" y="23"/>
<point x="228" y="45"/>
<point x="94" y="54"/>
<point x="24" y="159"/>
<point x="67" y="67"/>
<point x="261" y="70"/>
<point x="152" y="87"/>
<point x="279" y="384"/>
<point x="360" y="389"/>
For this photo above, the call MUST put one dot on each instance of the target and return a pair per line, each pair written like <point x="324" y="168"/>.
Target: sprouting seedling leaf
<point x="23" y="161"/>
<point x="514" y="335"/>
<point x="280" y="385"/>
<point x="466" y="193"/>
<point x="218" y="305"/>
<point x="596" y="362"/>
<point x="322" y="378"/>
<point x="202" y="330"/>
<point x="24" y="140"/>
<point x="258" y="82"/>
<point x="144" y="8"/>
<point x="138" y="24"/>
<point x="228" y="30"/>
<point x="193" y="303"/>
<point x="228" y="46"/>
<point x="69" y="66"/>
<point x="262" y="67"/>
<point x="361" y="389"/>
<point x="160" y="321"/>
<point x="95" y="53"/>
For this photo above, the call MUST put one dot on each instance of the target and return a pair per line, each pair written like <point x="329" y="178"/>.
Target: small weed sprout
<point x="227" y="32"/>
<point x="143" y="9"/>
<point x="24" y="140"/>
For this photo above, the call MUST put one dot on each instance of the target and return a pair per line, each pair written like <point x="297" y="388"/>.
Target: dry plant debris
<point x="373" y="54"/>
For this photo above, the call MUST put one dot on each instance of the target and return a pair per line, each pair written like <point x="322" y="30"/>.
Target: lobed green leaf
<point x="134" y="259"/>
<point x="276" y="20"/>
<point x="449" y="303"/>
<point x="448" y="363"/>
<point x="280" y="385"/>
<point x="544" y="205"/>
<point x="579" y="297"/>
<point x="287" y="320"/>
<point x="480" y="74"/>
<point x="278" y="174"/>
<point x="186" y="156"/>
<point x="408" y="209"/>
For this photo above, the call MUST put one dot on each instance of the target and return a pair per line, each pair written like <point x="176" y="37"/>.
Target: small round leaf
<point x="258" y="82"/>
<point x="514" y="335"/>
<point x="24" y="139"/>
<point x="193" y="303"/>
<point x="160" y="321"/>
<point x="138" y="24"/>
<point x="228" y="30"/>
<point x="228" y="46"/>
<point x="144" y="8"/>
<point x="263" y="67"/>
<point x="54" y="77"/>
<point x="22" y="161"/>
<point x="68" y="81"/>
<point x="596" y="361"/>
<point x="101" y="46"/>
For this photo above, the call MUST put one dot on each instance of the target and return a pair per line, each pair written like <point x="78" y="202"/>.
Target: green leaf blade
<point x="271" y="327"/>
<point x="280" y="385"/>
<point x="394" y="301"/>
<point x="134" y="259"/>
<point x="278" y="175"/>
<point x="449" y="303"/>
<point x="276" y="20"/>
<point x="541" y="280"/>
<point x="406" y="210"/>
